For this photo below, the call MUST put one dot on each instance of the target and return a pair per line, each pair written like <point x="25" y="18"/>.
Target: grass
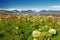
<point x="20" y="27"/>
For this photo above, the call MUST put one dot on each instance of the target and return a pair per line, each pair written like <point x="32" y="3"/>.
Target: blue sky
<point x="30" y="4"/>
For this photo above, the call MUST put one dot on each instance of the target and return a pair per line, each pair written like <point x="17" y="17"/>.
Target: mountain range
<point x="33" y="12"/>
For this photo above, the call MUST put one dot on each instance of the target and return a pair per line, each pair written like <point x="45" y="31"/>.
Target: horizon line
<point x="11" y="9"/>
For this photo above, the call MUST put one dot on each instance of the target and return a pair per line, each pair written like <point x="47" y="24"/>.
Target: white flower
<point x="34" y="39"/>
<point x="36" y="33"/>
<point x="52" y="31"/>
<point x="16" y="27"/>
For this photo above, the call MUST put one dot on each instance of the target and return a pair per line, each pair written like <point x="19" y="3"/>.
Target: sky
<point x="30" y="4"/>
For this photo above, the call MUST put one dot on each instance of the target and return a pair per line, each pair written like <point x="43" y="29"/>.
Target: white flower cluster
<point x="34" y="39"/>
<point x="52" y="31"/>
<point x="36" y="33"/>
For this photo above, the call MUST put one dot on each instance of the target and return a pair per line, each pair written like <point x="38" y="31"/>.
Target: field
<point x="28" y="27"/>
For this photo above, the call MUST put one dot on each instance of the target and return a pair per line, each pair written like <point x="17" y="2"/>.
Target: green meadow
<point x="22" y="27"/>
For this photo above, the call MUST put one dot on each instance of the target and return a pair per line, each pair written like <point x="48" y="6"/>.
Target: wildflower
<point x="34" y="17"/>
<point x="47" y="34"/>
<point x="41" y="20"/>
<point x="19" y="17"/>
<point x="0" y="19"/>
<point x="39" y="29"/>
<point x="46" y="26"/>
<point x="36" y="33"/>
<point x="42" y="27"/>
<point x="32" y="20"/>
<point x="26" y="14"/>
<point x="50" y="16"/>
<point x="58" y="23"/>
<point x="52" y="31"/>
<point x="28" y="18"/>
<point x="34" y="38"/>
<point x="7" y="16"/>
<point x="16" y="27"/>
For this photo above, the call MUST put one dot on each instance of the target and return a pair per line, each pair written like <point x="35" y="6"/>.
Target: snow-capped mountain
<point x="33" y="12"/>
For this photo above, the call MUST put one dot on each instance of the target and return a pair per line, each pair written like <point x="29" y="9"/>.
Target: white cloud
<point x="54" y="6"/>
<point x="10" y="9"/>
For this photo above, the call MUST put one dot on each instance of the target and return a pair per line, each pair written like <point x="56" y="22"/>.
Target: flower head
<point x="52" y="31"/>
<point x="36" y="33"/>
<point x="17" y="28"/>
<point x="34" y="39"/>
